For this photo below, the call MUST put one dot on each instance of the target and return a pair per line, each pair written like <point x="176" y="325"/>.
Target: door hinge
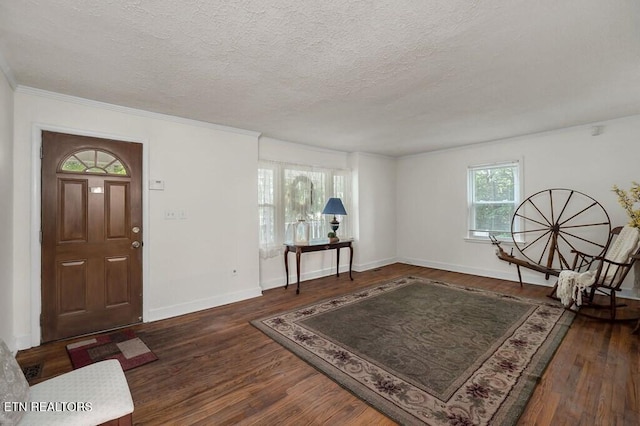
<point x="41" y="320"/>
<point x="41" y="236"/>
<point x="41" y="153"/>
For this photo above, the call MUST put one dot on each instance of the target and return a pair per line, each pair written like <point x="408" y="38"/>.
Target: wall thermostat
<point x="156" y="185"/>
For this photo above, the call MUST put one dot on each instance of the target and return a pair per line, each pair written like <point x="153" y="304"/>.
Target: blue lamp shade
<point x="334" y="206"/>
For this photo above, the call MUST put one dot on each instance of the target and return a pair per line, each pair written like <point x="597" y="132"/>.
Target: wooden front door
<point x="91" y="235"/>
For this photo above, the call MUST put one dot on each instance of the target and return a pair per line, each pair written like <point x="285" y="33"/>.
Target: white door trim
<point x="36" y="207"/>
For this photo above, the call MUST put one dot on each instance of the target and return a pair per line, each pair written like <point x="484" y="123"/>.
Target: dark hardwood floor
<point x="215" y="368"/>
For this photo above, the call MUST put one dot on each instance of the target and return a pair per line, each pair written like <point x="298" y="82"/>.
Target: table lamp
<point x="334" y="206"/>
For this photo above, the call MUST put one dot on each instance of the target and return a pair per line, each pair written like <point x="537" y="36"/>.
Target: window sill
<point x="488" y="241"/>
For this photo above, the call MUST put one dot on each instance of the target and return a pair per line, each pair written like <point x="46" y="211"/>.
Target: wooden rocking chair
<point x="623" y="249"/>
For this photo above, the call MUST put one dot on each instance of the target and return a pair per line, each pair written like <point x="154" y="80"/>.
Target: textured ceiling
<point x="392" y="77"/>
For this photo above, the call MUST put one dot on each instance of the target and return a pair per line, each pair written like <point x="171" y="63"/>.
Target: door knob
<point x="136" y="244"/>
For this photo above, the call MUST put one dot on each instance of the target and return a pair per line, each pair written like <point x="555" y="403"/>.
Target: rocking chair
<point x="622" y="250"/>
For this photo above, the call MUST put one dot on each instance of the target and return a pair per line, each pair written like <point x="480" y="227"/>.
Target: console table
<point x="315" y="246"/>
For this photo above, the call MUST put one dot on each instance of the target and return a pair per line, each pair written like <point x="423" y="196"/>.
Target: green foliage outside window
<point x="494" y="184"/>
<point x="494" y="218"/>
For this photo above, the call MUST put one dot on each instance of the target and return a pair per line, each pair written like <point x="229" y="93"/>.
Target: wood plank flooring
<point x="214" y="368"/>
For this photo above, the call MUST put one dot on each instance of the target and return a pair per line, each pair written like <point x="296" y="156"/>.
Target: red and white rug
<point x="124" y="345"/>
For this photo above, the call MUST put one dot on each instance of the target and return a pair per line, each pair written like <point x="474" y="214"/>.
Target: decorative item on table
<point x="301" y="232"/>
<point x="335" y="207"/>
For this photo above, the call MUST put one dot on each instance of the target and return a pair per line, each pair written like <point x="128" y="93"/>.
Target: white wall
<point x="288" y="152"/>
<point x="210" y="173"/>
<point x="432" y="201"/>
<point x="6" y="213"/>
<point x="375" y="201"/>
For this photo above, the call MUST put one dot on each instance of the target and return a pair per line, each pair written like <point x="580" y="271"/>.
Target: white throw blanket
<point x="625" y="244"/>
<point x="571" y="284"/>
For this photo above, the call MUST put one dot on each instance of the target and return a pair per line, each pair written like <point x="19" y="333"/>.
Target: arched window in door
<point x="94" y="161"/>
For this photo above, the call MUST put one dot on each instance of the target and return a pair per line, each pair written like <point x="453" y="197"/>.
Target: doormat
<point x="32" y="372"/>
<point x="428" y="352"/>
<point x="123" y="345"/>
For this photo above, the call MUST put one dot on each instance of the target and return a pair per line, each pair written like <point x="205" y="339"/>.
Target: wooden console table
<point x="316" y="246"/>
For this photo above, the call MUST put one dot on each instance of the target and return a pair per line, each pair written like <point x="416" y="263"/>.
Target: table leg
<point x="286" y="265"/>
<point x="350" y="261"/>
<point x="338" y="262"/>
<point x="298" y="253"/>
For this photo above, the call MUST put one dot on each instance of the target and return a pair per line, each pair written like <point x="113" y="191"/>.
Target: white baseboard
<point x="527" y="278"/>
<point x="199" y="305"/>
<point x="629" y="293"/>
<point x="377" y="264"/>
<point x="324" y="272"/>
<point x="22" y="342"/>
<point x="25" y="342"/>
<point x="305" y="276"/>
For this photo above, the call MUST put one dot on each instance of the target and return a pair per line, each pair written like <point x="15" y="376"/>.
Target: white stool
<point x="92" y="395"/>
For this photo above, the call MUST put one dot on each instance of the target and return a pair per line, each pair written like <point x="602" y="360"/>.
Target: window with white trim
<point x="290" y="192"/>
<point x="493" y="196"/>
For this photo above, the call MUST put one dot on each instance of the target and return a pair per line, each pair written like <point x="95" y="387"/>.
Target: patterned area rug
<point x="427" y="352"/>
<point x="123" y="345"/>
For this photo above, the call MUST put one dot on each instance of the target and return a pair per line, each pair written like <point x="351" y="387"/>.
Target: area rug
<point x="122" y="345"/>
<point x="427" y="352"/>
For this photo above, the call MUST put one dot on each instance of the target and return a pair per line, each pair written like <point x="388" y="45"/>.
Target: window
<point x="93" y="161"/>
<point x="289" y="192"/>
<point x="494" y="195"/>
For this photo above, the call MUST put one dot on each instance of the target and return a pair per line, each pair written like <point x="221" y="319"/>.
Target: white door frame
<point x="36" y="210"/>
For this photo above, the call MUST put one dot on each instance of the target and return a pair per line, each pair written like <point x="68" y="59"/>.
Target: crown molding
<point x="132" y="111"/>
<point x="373" y="155"/>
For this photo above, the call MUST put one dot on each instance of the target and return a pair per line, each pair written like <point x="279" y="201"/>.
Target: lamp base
<point x="334" y="224"/>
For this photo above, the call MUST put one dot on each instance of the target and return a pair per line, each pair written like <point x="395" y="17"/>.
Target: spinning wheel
<point x="548" y="225"/>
